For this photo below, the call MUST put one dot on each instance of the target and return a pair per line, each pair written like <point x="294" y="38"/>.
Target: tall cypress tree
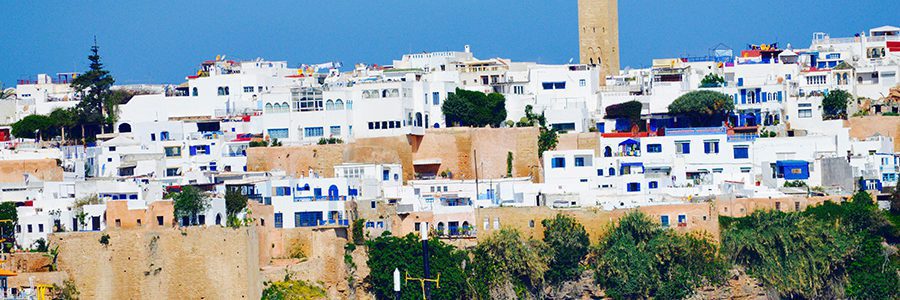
<point x="94" y="89"/>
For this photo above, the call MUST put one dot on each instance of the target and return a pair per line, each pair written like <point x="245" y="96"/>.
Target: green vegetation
<point x="828" y="251"/>
<point x="97" y="107"/>
<point x="638" y="259"/>
<point x="476" y="109"/>
<point x="40" y="245"/>
<point x="235" y="202"/>
<point x="712" y="80"/>
<point x="52" y="255"/>
<point x="890" y="114"/>
<point x="291" y="289"/>
<point x="507" y="263"/>
<point x="358" y="230"/>
<point x="329" y="141"/>
<point x="32" y="126"/>
<point x="547" y="138"/>
<point x="630" y="110"/>
<point x="68" y="291"/>
<point x="834" y="105"/>
<point x="702" y="106"/>
<point x="568" y="245"/>
<point x="509" y="164"/>
<point x="795" y="183"/>
<point x="8" y="220"/>
<point x="405" y="253"/>
<point x="189" y="203"/>
<point x="104" y="239"/>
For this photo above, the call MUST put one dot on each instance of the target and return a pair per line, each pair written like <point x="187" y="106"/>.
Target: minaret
<point x="598" y="35"/>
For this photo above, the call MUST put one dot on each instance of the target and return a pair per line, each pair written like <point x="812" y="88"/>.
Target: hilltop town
<point x="253" y="175"/>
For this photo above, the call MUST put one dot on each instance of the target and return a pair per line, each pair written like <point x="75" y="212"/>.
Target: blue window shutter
<point x="685" y="148"/>
<point x="706" y="147"/>
<point x="193" y="150"/>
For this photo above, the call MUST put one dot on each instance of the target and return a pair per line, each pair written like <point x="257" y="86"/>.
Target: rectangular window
<point x="653" y="185"/>
<point x="335" y="130"/>
<point x="741" y="152"/>
<point x="654" y="148"/>
<point x="582" y="82"/>
<point x="804" y="113"/>
<point x="313" y="131"/>
<point x="745" y="169"/>
<point x="682" y="220"/>
<point x="634" y="187"/>
<point x="664" y="220"/>
<point x="278" y="133"/>
<point x="599" y="172"/>
<point x="683" y="147"/>
<point x="385" y="175"/>
<point x="579" y="161"/>
<point x="279" y="220"/>
<point x="173" y="172"/>
<point x="248" y="89"/>
<point x="558" y="162"/>
<point x="436" y="98"/>
<point x="711" y="147"/>
<point x="173" y="151"/>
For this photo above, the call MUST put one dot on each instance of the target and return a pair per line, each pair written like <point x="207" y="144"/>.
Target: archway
<point x="124" y="127"/>
<point x="333" y="192"/>
<point x="418" y="119"/>
<point x="607" y="152"/>
<point x="219" y="219"/>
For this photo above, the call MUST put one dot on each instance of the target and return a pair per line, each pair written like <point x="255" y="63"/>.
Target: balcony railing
<point x="318" y="198"/>
<point x="695" y="131"/>
<point x="744" y="137"/>
<point x="341" y="222"/>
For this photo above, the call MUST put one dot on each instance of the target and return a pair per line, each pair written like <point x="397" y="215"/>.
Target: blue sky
<point x="163" y="41"/>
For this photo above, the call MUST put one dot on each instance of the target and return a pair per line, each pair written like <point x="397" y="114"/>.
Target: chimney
<point x="468" y="49"/>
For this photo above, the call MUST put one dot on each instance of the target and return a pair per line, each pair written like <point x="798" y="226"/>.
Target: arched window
<point x="845" y="78"/>
<point x="349" y="104"/>
<point x="194" y="92"/>
<point x="124" y="127"/>
<point x="218" y="219"/>
<point x="276" y="108"/>
<point x="384" y="93"/>
<point x="612" y="171"/>
<point x="607" y="152"/>
<point x="329" y="105"/>
<point x="221" y="91"/>
<point x="285" y="107"/>
<point x="268" y="107"/>
<point x="338" y="104"/>
<point x="226" y="91"/>
<point x="440" y="228"/>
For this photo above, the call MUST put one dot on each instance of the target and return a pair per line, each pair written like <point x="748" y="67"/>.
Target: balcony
<point x="318" y="198"/>
<point x="742" y="137"/>
<point x="695" y="131"/>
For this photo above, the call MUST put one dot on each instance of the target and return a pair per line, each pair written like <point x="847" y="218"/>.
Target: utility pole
<point x="424" y="282"/>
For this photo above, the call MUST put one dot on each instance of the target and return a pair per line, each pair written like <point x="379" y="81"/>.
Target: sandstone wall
<point x="455" y="148"/>
<point x="324" y="261"/>
<point x="701" y="217"/>
<point x="43" y="169"/>
<point x="188" y="263"/>
<point x="579" y="141"/>
<point x="863" y="127"/>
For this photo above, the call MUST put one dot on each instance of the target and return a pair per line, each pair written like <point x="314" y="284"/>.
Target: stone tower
<point x="598" y="34"/>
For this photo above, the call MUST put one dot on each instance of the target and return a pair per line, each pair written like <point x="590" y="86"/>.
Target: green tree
<point x="93" y="87"/>
<point x="795" y="255"/>
<point x="507" y="265"/>
<point x="472" y="108"/>
<point x="8" y="220"/>
<point x="637" y="259"/>
<point x="33" y="125"/>
<point x="189" y="203"/>
<point x="405" y="253"/>
<point x="568" y="244"/>
<point x="712" y="80"/>
<point x="630" y="110"/>
<point x="834" y="105"/>
<point x="702" y="106"/>
<point x="64" y="119"/>
<point x="235" y="202"/>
